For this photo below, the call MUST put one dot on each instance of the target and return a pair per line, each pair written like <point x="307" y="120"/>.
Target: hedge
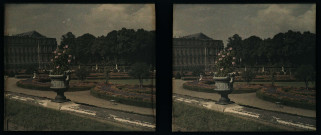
<point x="190" y="78"/>
<point x="201" y="89"/>
<point x="267" y="81"/>
<point x="260" y="94"/>
<point x="23" y="76"/>
<point x="47" y="88"/>
<point x="97" y="94"/>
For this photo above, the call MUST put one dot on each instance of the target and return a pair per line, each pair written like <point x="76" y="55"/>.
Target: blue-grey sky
<point x="54" y="20"/>
<point x="220" y="21"/>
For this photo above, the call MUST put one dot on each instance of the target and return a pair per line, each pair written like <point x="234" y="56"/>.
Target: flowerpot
<point x="224" y="86"/>
<point x="59" y="84"/>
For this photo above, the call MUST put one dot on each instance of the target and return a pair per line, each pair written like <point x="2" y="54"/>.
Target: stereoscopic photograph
<point x="79" y="67"/>
<point x="244" y="67"/>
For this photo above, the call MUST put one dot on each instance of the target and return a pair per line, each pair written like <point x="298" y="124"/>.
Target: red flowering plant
<point x="225" y="62"/>
<point x="61" y="60"/>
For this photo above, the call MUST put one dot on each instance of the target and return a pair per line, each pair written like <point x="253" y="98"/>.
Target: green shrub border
<point x="268" y="81"/>
<point x="260" y="94"/>
<point x="95" y="93"/>
<point x="23" y="76"/>
<point x="200" y="89"/>
<point x="34" y="87"/>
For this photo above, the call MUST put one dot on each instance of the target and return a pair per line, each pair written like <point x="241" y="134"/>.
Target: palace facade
<point x="25" y="50"/>
<point x="195" y="51"/>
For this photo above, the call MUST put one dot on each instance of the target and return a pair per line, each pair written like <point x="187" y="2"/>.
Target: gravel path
<point x="78" y="96"/>
<point x="249" y="99"/>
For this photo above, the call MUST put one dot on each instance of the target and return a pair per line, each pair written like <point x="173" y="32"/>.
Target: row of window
<point x="195" y="51"/>
<point x="28" y="59"/>
<point x="31" y="50"/>
<point x="198" y="60"/>
<point x="195" y="42"/>
<point x="33" y="41"/>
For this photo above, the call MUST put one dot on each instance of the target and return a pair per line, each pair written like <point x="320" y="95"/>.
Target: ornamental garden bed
<point x="126" y="94"/>
<point x="289" y="96"/>
<point x="267" y="78"/>
<point x="112" y="75"/>
<point x="209" y="85"/>
<point x="44" y="84"/>
<point x="23" y="76"/>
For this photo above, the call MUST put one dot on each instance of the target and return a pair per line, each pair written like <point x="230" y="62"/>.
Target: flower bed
<point x="295" y="97"/>
<point x="267" y="78"/>
<point x="126" y="94"/>
<point x="23" y="76"/>
<point x="190" y="78"/>
<point x="209" y="86"/>
<point x="45" y="86"/>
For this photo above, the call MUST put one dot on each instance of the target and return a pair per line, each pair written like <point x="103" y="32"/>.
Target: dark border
<point x="164" y="18"/>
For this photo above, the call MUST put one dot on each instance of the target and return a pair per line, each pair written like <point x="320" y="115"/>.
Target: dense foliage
<point x="225" y="62"/>
<point x="139" y="71"/>
<point x="248" y="76"/>
<point x="290" y="96"/>
<point x="122" y="47"/>
<point x="126" y="94"/>
<point x="82" y="73"/>
<point x="284" y="49"/>
<point x="305" y="73"/>
<point x="61" y="61"/>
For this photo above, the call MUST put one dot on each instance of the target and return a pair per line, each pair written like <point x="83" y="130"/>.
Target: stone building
<point x="25" y="50"/>
<point x="195" y="51"/>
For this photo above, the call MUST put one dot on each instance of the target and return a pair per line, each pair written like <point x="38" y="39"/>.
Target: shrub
<point x="305" y="73"/>
<point x="248" y="76"/>
<point x="82" y="73"/>
<point x="178" y="75"/>
<point x="139" y="71"/>
<point x="197" y="72"/>
<point x="207" y="86"/>
<point x="36" y="85"/>
<point x="11" y="74"/>
<point x="288" y="96"/>
<point x="126" y="94"/>
<point x="23" y="76"/>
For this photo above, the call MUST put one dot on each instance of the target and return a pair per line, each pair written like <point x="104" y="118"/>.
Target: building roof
<point x="31" y="34"/>
<point x="198" y="36"/>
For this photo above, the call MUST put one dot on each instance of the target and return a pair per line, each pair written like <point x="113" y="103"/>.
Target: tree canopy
<point x="284" y="49"/>
<point x="125" y="46"/>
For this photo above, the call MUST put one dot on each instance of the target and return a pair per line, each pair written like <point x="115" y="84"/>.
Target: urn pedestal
<point x="224" y="86"/>
<point x="60" y="84"/>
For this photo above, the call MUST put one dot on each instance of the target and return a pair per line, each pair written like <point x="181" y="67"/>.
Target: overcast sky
<point x="54" y="20"/>
<point x="220" y="21"/>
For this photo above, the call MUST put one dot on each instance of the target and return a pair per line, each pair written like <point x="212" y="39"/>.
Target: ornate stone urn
<point x="224" y="86"/>
<point x="60" y="84"/>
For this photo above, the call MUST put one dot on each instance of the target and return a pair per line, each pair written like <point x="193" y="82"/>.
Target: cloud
<point x="54" y="20"/>
<point x="111" y="17"/>
<point x="220" y="21"/>
<point x="281" y="18"/>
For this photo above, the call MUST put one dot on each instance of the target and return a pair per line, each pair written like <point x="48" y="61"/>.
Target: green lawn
<point x="125" y="81"/>
<point x="190" y="118"/>
<point x="293" y="84"/>
<point x="36" y="118"/>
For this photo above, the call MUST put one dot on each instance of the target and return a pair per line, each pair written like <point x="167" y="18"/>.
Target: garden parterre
<point x="127" y="94"/>
<point x="291" y="96"/>
<point x="43" y="84"/>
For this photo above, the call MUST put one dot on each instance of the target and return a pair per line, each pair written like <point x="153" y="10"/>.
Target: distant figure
<point x="201" y="77"/>
<point x="34" y="75"/>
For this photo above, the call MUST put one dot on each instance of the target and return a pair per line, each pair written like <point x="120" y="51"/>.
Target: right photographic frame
<point x="244" y="67"/>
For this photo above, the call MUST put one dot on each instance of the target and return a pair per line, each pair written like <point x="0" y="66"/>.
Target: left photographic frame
<point x="79" y="67"/>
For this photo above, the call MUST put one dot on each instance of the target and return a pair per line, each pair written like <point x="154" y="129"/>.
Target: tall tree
<point x="84" y="45"/>
<point x="305" y="73"/>
<point x="139" y="71"/>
